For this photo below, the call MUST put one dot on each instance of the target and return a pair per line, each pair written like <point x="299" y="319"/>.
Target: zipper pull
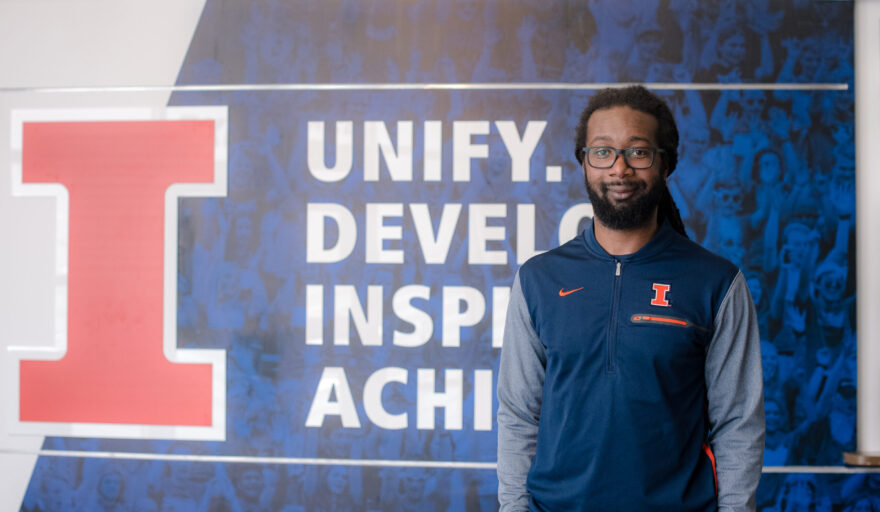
<point x="617" y="272"/>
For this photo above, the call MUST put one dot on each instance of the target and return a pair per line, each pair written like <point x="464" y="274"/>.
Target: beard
<point x="631" y="213"/>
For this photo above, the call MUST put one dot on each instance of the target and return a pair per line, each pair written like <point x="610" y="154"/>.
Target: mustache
<point x="638" y="184"/>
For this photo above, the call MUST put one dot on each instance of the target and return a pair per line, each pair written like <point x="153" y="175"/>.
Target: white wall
<point x="867" y="89"/>
<point x="66" y="43"/>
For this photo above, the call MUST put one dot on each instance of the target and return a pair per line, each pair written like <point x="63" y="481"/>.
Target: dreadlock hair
<point x="643" y="100"/>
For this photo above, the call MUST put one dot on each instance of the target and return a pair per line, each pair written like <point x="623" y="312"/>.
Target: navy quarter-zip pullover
<point x="630" y="382"/>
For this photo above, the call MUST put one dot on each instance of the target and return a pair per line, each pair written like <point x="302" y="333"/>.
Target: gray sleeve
<point x="734" y="383"/>
<point x="520" y="384"/>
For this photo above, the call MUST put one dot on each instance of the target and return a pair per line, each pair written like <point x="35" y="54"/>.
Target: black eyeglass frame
<point x="617" y="152"/>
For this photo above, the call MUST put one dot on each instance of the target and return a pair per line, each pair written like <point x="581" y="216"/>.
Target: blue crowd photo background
<point x="766" y="178"/>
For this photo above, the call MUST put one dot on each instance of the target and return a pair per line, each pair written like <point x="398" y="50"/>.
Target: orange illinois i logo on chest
<point x="660" y="291"/>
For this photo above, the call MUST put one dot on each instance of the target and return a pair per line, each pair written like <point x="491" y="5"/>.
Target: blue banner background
<point x="766" y="178"/>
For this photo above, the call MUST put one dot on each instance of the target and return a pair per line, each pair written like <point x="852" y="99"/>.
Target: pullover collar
<point x="658" y="243"/>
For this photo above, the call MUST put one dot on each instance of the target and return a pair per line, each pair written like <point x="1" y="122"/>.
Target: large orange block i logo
<point x="115" y="369"/>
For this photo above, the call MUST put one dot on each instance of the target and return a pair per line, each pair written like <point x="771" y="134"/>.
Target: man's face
<point x="624" y="198"/>
<point x="800" y="490"/>
<point x="773" y="415"/>
<point x="57" y="495"/>
<point x="250" y="484"/>
<point x="728" y="199"/>
<point x="755" y="289"/>
<point x="753" y="103"/>
<point x="649" y="44"/>
<point x="731" y="246"/>
<point x="696" y="144"/>
<point x="769" y="168"/>
<point x="780" y="122"/>
<point x="337" y="479"/>
<point x="831" y="285"/>
<point x="414" y="484"/>
<point x="732" y="50"/>
<point x="809" y="61"/>
<point x="110" y="486"/>
<point x="800" y="243"/>
<point x="770" y="359"/>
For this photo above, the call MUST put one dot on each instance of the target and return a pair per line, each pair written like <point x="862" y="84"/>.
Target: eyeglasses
<point x="604" y="157"/>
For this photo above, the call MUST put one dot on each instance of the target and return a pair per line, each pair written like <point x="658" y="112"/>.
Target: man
<point x="630" y="376"/>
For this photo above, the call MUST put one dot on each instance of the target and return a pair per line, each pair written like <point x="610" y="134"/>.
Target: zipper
<point x="647" y="318"/>
<point x="611" y="346"/>
<point x="657" y="319"/>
